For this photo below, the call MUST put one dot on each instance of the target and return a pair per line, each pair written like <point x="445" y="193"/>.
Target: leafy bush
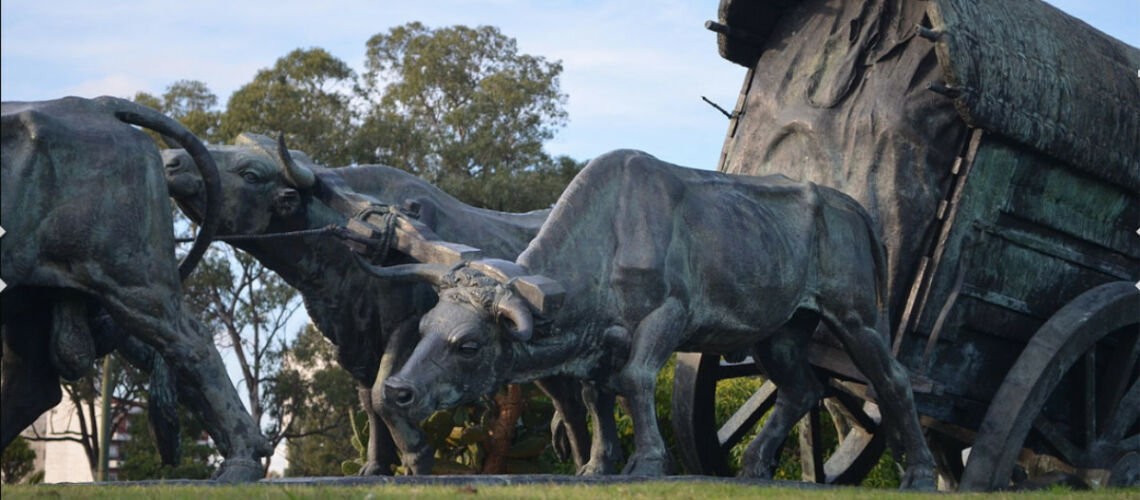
<point x="141" y="453"/>
<point x="18" y="460"/>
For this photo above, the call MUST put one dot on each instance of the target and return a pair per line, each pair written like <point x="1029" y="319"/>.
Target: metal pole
<point x="105" y="420"/>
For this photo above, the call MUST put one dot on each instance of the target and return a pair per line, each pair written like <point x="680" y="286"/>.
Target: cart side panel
<point x="1030" y="234"/>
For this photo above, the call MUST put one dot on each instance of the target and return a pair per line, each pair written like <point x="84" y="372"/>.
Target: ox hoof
<point x="595" y="468"/>
<point x="374" y="469"/>
<point x="756" y="471"/>
<point x="646" y="465"/>
<point x="420" y="463"/>
<point x="239" y="470"/>
<point x="918" y="478"/>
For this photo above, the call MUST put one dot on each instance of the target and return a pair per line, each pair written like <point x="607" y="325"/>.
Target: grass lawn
<point x="696" y="490"/>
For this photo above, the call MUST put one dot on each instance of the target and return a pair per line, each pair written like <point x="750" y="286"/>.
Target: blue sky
<point x="634" y="70"/>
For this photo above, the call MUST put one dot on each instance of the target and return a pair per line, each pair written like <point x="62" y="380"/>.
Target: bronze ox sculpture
<point x="88" y="230"/>
<point x="269" y="189"/>
<point x="654" y="259"/>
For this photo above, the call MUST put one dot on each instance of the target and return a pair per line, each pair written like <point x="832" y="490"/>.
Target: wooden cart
<point x="997" y="145"/>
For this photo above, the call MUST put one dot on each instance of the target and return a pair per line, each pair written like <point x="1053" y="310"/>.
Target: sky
<point x="634" y="70"/>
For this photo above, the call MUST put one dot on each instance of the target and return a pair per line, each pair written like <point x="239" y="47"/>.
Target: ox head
<point x="262" y="182"/>
<point x="465" y="350"/>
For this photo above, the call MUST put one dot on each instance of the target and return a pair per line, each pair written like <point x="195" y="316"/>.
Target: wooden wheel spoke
<point x="1118" y="373"/>
<point x="1125" y="415"/>
<point x="1090" y="397"/>
<point x="1131" y="443"/>
<point x="858" y="454"/>
<point x="1070" y="452"/>
<point x="745" y="417"/>
<point x="811" y="448"/>
<point x="1065" y="344"/>
<point x="853" y="404"/>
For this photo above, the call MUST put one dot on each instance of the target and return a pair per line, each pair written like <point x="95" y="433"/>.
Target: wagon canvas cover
<point x="1019" y="68"/>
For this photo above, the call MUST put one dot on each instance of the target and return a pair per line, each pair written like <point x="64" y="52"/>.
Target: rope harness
<point x="330" y="229"/>
<point x="373" y="246"/>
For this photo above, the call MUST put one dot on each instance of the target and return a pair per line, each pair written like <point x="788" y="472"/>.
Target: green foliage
<point x="462" y="108"/>
<point x="191" y="103"/>
<point x="307" y="94"/>
<point x="519" y="190"/>
<point x="886" y="474"/>
<point x="143" y="462"/>
<point x="17" y="461"/>
<point x="461" y="436"/>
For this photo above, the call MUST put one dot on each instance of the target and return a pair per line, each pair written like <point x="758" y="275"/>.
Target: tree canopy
<point x="462" y="108"/>
<point x="191" y="103"/>
<point x="308" y="95"/>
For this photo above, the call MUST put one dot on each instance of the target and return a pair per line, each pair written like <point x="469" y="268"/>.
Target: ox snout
<point x="182" y="178"/>
<point x="287" y="202"/>
<point x="400" y="393"/>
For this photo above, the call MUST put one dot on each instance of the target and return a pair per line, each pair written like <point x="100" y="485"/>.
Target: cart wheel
<point x="1092" y="344"/>
<point x="705" y="447"/>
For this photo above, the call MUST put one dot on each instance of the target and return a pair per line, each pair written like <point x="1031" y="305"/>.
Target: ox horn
<point x="301" y="177"/>
<point x="515" y="309"/>
<point x="429" y="273"/>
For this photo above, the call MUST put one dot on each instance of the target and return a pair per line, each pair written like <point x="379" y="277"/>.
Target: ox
<point x="269" y="189"/>
<point x="657" y="258"/>
<point x="90" y="230"/>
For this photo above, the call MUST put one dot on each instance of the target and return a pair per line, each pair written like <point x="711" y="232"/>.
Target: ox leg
<point x="189" y="349"/>
<point x="868" y="349"/>
<point x="162" y="395"/>
<point x="381" y="449"/>
<point x="416" y="454"/>
<point x="30" y="384"/>
<point x="568" y="428"/>
<point x="783" y="357"/>
<point x="605" y="449"/>
<point x="655" y="339"/>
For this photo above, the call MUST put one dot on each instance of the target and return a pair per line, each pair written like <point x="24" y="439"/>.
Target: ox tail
<point x="143" y="116"/>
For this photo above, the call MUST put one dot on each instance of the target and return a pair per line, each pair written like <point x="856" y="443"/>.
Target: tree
<point x="462" y="108"/>
<point x="307" y="94"/>
<point x="248" y="307"/>
<point x="191" y="103"/>
<point x="84" y="396"/>
<point x="18" y="460"/>
<point x="322" y="443"/>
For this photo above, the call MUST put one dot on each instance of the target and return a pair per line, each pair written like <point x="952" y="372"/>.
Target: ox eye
<point x="469" y="348"/>
<point x="250" y="177"/>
